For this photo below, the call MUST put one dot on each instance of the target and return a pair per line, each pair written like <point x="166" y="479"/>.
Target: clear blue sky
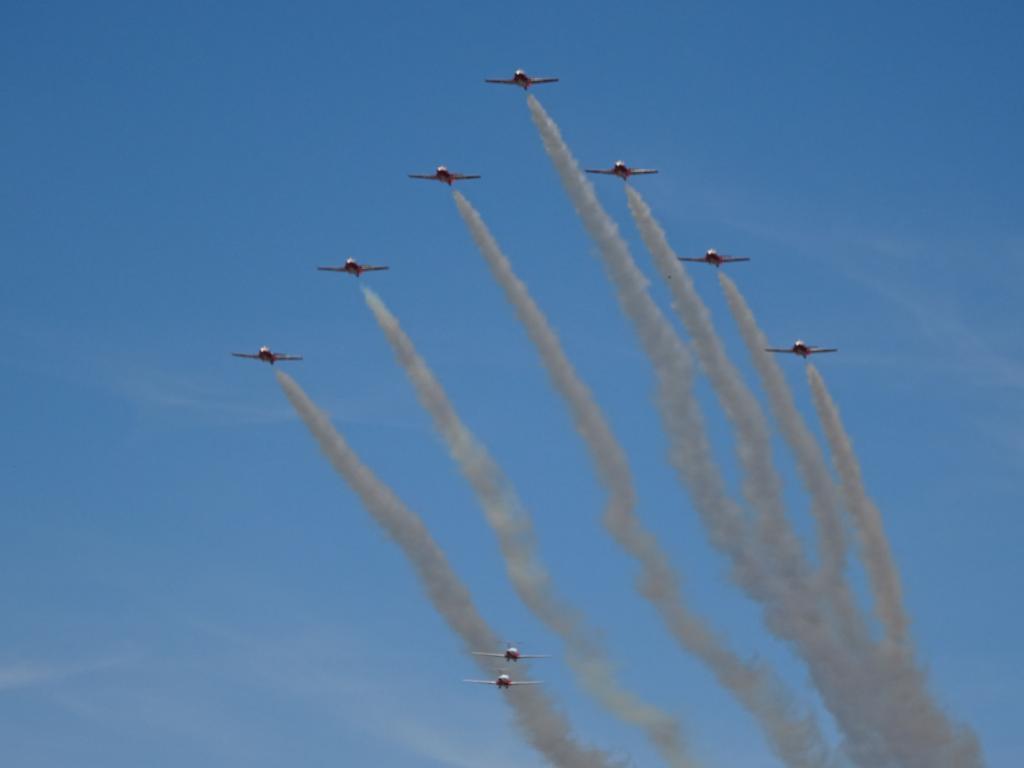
<point x="185" y="581"/>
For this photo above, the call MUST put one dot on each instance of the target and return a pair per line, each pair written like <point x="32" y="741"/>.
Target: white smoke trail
<point x="874" y="545"/>
<point x="689" y="450"/>
<point x="934" y="740"/>
<point x="897" y="680"/>
<point x="796" y="740"/>
<point x="770" y="567"/>
<point x="543" y="725"/>
<point x="922" y="735"/>
<point x="753" y="431"/>
<point x="762" y="486"/>
<point x="814" y="473"/>
<point x="505" y="514"/>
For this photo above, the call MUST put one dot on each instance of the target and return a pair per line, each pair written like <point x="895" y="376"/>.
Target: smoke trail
<point x="796" y="741"/>
<point x="816" y="477"/>
<point x="762" y="486"/>
<point x="771" y="568"/>
<point x="896" y="681"/>
<point x="690" y="453"/>
<point x="885" y="581"/>
<point x="532" y="582"/>
<point x="544" y="726"/>
<point x="922" y="734"/>
<point x="888" y="708"/>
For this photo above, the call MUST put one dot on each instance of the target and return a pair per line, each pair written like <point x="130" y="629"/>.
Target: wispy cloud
<point x="26" y="675"/>
<point x="889" y="263"/>
<point x="455" y="748"/>
<point x="943" y="325"/>
<point x="311" y="668"/>
<point x="30" y="674"/>
<point x="164" y="391"/>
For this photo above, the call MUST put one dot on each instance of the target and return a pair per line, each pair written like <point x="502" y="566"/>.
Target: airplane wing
<point x="287" y="357"/>
<point x="816" y="350"/>
<point x="767" y="349"/>
<point x="480" y="682"/>
<point x="641" y="171"/>
<point x="728" y="259"/>
<point x="542" y="80"/>
<point x="504" y="82"/>
<point x="432" y="177"/>
<point x="525" y="682"/>
<point x="683" y="258"/>
<point x="595" y="170"/>
<point x="331" y="269"/>
<point x="534" y="656"/>
<point x="495" y="655"/>
<point x="374" y="269"/>
<point x="463" y="176"/>
<point x="242" y="354"/>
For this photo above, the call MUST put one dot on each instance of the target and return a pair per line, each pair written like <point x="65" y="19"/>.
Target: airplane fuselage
<point x="522" y="79"/>
<point x="802" y="349"/>
<point x="442" y="174"/>
<point x="799" y="348"/>
<point x="503" y="681"/>
<point x="264" y="355"/>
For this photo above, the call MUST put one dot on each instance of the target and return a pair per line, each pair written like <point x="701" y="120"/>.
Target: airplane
<point x="511" y="654"/>
<point x="267" y="356"/>
<point x="444" y="175"/>
<point x="504" y="681"/>
<point x="353" y="267"/>
<point x="622" y="170"/>
<point x="799" y="348"/>
<point x="714" y="257"/>
<point x="523" y="80"/>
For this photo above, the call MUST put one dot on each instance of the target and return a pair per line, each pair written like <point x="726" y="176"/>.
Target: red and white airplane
<point x="511" y="654"/>
<point x="267" y="356"/>
<point x="504" y="681"/>
<point x="352" y="267"/>
<point x="523" y="80"/>
<point x="444" y="175"/>
<point x="714" y="257"/>
<point x="622" y="170"/>
<point x="804" y="350"/>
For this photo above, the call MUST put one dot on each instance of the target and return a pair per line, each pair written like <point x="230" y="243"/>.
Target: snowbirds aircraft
<point x="504" y="681"/>
<point x="622" y="170"/>
<point x="714" y="257"/>
<point x="267" y="356"/>
<point x="352" y="267"/>
<point x="444" y="175"/>
<point x="511" y="654"/>
<point x="523" y="80"/>
<point x="799" y="348"/>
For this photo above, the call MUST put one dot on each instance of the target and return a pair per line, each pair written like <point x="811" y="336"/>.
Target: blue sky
<point x="184" y="578"/>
